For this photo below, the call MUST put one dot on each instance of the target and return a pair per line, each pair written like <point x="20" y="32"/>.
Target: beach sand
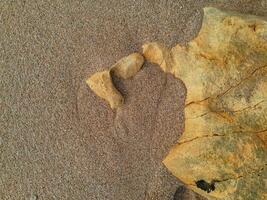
<point x="58" y="139"/>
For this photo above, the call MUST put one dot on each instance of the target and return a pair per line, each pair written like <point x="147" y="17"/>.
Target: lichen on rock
<point x="224" y="143"/>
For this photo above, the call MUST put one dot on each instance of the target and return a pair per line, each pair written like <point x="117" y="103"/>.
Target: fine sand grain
<point x="58" y="140"/>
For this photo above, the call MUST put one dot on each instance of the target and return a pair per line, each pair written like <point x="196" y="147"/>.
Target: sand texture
<point x="58" y="140"/>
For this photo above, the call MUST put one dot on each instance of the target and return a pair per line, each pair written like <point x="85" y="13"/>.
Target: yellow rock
<point x="156" y="53"/>
<point x="101" y="84"/>
<point x="222" y="153"/>
<point x="128" y="66"/>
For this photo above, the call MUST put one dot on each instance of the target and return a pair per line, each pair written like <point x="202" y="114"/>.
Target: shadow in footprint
<point x="126" y="146"/>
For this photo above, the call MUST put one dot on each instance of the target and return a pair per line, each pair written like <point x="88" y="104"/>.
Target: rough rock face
<point x="101" y="83"/>
<point x="156" y="53"/>
<point x="223" y="151"/>
<point x="128" y="66"/>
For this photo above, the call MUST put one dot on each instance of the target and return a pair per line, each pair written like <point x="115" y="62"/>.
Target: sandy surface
<point x="58" y="140"/>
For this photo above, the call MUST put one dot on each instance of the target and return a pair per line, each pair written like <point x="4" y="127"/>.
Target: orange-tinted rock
<point x="128" y="66"/>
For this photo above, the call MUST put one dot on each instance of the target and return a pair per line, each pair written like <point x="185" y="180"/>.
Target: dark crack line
<point x="229" y="112"/>
<point x="196" y="102"/>
<point x="198" y="116"/>
<point x="246" y="108"/>
<point x="259" y="171"/>
<point x="221" y="135"/>
<point x="229" y="89"/>
<point x="204" y="136"/>
<point x="242" y="81"/>
<point x="242" y="176"/>
<point x="220" y="114"/>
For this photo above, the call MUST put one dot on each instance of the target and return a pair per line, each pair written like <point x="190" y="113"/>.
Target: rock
<point x="222" y="153"/>
<point x="128" y="66"/>
<point x="156" y="53"/>
<point x="101" y="84"/>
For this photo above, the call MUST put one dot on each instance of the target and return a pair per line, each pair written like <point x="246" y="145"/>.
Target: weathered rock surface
<point x="101" y="82"/>
<point x="128" y="66"/>
<point x="156" y="53"/>
<point x="225" y="71"/>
